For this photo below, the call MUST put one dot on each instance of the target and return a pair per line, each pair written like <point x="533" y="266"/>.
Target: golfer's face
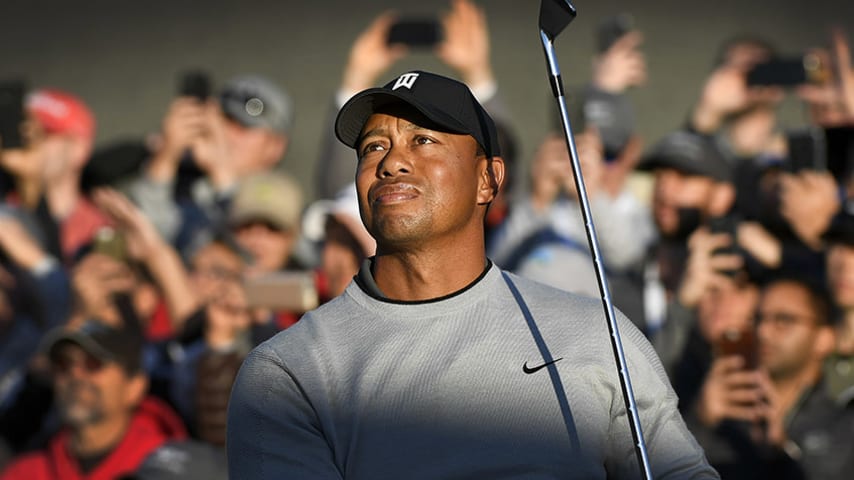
<point x="416" y="184"/>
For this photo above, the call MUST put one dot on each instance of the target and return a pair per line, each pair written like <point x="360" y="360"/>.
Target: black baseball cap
<point x="101" y="341"/>
<point x="689" y="153"/>
<point x="444" y="101"/>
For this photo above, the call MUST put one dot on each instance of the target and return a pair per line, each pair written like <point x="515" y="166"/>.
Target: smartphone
<point x="196" y="84"/>
<point x="12" y="114"/>
<point x="292" y="291"/>
<point x="807" y="150"/>
<point x="415" y="32"/>
<point x="789" y="71"/>
<point x="741" y="343"/>
<point x="612" y="29"/>
<point x="839" y="145"/>
<point x="110" y="242"/>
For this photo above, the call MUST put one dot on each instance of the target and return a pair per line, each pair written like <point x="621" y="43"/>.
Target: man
<point x="434" y="363"/>
<point x="100" y="393"/>
<point x="245" y="132"/>
<point x="777" y="421"/>
<point x="52" y="169"/>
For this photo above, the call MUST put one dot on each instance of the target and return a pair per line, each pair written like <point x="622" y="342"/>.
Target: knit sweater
<point x="367" y="388"/>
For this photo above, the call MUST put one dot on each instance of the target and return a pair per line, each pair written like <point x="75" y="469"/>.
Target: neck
<point x="63" y="195"/>
<point x="845" y="333"/>
<point x="424" y="275"/>
<point x="790" y="388"/>
<point x="29" y="191"/>
<point x="98" y="438"/>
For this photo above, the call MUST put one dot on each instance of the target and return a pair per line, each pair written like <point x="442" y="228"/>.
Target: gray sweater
<point x="365" y="388"/>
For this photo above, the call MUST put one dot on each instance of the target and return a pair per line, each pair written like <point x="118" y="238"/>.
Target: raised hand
<point x="466" y="45"/>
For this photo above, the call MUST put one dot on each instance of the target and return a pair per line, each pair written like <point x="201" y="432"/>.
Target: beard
<point x="79" y="404"/>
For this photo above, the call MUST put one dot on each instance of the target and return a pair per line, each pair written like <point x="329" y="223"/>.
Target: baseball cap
<point x="62" y="113"/>
<point x="256" y="102"/>
<point x="186" y="459"/>
<point x="688" y="153"/>
<point x="101" y="341"/>
<point x="444" y="101"/>
<point x="274" y="197"/>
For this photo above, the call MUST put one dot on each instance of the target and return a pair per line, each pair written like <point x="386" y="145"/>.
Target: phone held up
<point x="292" y="291"/>
<point x="415" y="32"/>
<point x="789" y="71"/>
<point x="741" y="343"/>
<point x="12" y="114"/>
<point x="612" y="29"/>
<point x="195" y="84"/>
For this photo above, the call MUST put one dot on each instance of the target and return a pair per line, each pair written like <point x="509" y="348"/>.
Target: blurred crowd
<point x="136" y="276"/>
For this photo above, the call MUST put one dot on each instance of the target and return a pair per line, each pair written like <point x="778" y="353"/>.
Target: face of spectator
<point x="727" y="306"/>
<point x="253" y="149"/>
<point x="341" y="256"/>
<point x="840" y="275"/>
<point x="791" y="336"/>
<point x="676" y="193"/>
<point x="269" y="246"/>
<point x="91" y="391"/>
<point x="215" y="267"/>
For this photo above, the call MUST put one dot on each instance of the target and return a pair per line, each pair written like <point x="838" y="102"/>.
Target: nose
<point x="395" y="163"/>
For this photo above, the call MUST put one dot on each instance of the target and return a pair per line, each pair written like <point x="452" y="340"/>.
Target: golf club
<point x="555" y="15"/>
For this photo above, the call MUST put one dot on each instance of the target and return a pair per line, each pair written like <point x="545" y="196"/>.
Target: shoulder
<point x="32" y="465"/>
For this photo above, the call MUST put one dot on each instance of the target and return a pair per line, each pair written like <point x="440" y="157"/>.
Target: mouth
<point x="385" y="194"/>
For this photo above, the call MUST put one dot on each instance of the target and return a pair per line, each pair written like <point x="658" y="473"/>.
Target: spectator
<point x="778" y="421"/>
<point x="243" y="133"/>
<point x="109" y="425"/>
<point x="840" y="279"/>
<point x="265" y="220"/>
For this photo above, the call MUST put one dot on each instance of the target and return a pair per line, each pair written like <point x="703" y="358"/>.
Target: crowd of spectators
<point x="134" y="278"/>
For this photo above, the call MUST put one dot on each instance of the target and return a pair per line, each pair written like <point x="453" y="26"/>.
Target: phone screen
<point x="425" y="32"/>
<point x="11" y="114"/>
<point x="196" y="84"/>
<point x="741" y="343"/>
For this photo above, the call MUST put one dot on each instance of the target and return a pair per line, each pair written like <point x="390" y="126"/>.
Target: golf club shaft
<point x="613" y="329"/>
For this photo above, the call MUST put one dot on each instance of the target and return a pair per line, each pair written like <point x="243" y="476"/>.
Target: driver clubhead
<point x="555" y="15"/>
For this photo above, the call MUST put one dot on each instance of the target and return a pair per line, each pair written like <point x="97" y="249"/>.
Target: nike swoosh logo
<point x="530" y="370"/>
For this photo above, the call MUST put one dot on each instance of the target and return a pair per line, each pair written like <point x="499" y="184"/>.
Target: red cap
<point x="63" y="113"/>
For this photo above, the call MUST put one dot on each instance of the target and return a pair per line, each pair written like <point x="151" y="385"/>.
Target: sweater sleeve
<point x="273" y="431"/>
<point x="673" y="451"/>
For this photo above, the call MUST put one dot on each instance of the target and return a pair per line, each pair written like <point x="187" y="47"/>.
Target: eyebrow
<point x="380" y="131"/>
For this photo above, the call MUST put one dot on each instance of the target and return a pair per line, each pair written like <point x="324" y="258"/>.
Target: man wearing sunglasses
<point x="109" y="426"/>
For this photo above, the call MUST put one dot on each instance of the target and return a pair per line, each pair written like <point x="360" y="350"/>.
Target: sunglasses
<point x="62" y="364"/>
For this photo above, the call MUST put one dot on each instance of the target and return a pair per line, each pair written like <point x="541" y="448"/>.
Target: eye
<point x="423" y="140"/>
<point x="371" y="147"/>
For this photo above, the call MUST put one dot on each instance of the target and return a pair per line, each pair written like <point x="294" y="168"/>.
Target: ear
<point x="277" y="145"/>
<point x="137" y="388"/>
<point x="721" y="199"/>
<point x="825" y="341"/>
<point x="491" y="177"/>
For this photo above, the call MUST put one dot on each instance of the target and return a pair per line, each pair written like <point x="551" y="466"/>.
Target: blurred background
<point x="124" y="58"/>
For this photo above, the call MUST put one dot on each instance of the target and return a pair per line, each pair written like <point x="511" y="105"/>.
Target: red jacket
<point x="153" y="423"/>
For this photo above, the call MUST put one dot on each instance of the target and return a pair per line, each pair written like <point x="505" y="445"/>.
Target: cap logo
<point x="406" y="80"/>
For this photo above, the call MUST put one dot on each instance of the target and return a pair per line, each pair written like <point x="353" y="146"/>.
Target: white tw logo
<point x="406" y="80"/>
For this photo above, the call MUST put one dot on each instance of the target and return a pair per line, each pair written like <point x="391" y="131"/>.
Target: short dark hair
<point x="817" y="295"/>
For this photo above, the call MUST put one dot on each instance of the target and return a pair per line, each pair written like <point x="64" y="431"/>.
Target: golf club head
<point x="555" y="15"/>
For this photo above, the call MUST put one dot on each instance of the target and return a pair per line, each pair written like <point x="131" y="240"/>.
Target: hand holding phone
<point x="789" y="71"/>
